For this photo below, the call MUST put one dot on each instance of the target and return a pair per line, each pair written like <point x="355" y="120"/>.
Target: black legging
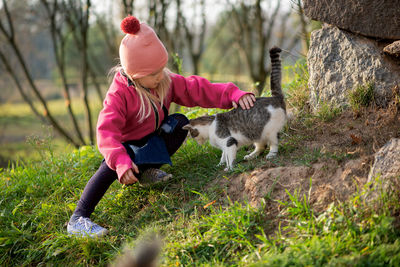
<point x="104" y="176"/>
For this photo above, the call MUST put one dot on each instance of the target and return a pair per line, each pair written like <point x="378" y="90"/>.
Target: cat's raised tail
<point x="276" y="72"/>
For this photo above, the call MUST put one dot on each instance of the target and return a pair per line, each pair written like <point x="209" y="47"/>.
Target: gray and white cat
<point x="259" y="125"/>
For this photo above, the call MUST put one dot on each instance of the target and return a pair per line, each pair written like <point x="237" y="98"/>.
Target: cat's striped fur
<point x="259" y="125"/>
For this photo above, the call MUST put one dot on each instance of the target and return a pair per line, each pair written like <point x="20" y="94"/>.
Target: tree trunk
<point x="85" y="67"/>
<point x="59" y="53"/>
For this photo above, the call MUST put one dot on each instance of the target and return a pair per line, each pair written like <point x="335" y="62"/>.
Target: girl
<point x="135" y="107"/>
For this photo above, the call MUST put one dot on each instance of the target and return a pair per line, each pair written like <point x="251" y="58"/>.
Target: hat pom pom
<point x="130" y="25"/>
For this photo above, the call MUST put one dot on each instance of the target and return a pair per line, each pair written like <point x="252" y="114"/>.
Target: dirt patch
<point x="328" y="183"/>
<point x="346" y="145"/>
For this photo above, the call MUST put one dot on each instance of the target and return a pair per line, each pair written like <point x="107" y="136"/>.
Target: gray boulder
<point x="338" y="61"/>
<point x="384" y="175"/>
<point x="367" y="17"/>
<point x="387" y="161"/>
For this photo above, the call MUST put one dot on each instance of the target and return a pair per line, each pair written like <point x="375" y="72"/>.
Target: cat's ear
<point x="187" y="127"/>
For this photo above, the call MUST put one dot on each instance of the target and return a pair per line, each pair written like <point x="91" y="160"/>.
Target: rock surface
<point x="387" y="168"/>
<point x="393" y="49"/>
<point x="387" y="161"/>
<point x="338" y="61"/>
<point x="372" y="18"/>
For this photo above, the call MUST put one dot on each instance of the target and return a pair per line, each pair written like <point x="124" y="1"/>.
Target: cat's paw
<point x="249" y="156"/>
<point x="227" y="169"/>
<point x="271" y="155"/>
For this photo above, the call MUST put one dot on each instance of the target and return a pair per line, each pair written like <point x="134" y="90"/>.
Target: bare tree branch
<point x="194" y="37"/>
<point x="20" y="89"/>
<point x="74" y="19"/>
<point x="78" y="19"/>
<point x="128" y="7"/>
<point x="59" y="52"/>
<point x="254" y="28"/>
<point x="303" y="23"/>
<point x="10" y="25"/>
<point x="108" y="35"/>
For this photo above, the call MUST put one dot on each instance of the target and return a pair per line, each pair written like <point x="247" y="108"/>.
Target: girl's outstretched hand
<point x="128" y="177"/>
<point x="246" y="101"/>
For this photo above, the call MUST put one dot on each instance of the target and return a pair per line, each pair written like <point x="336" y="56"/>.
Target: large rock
<point x="387" y="161"/>
<point x="384" y="175"/>
<point x="367" y="17"/>
<point x="338" y="61"/>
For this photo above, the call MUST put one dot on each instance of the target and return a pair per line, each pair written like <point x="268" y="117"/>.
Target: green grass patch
<point x="297" y="91"/>
<point x="361" y="96"/>
<point x="327" y="111"/>
<point x="38" y="198"/>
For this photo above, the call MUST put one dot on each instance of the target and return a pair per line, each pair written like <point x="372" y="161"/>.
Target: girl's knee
<point x="182" y="119"/>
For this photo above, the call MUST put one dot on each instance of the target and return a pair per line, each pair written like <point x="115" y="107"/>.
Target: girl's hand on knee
<point x="128" y="177"/>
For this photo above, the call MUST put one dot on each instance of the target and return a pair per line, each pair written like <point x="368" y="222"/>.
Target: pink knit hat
<point x="141" y="52"/>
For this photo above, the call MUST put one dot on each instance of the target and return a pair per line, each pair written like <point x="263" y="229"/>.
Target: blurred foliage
<point x="297" y="92"/>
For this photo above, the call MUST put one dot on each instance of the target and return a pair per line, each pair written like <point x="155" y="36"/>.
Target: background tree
<point x="193" y="31"/>
<point x="78" y="19"/>
<point x="73" y="54"/>
<point x="10" y="36"/>
<point x="59" y="35"/>
<point x="127" y="7"/>
<point x="253" y="32"/>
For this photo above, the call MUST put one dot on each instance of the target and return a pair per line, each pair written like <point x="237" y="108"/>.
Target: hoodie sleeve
<point x="197" y="91"/>
<point x="110" y="123"/>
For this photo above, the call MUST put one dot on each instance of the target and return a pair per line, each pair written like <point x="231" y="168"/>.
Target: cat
<point x="258" y="125"/>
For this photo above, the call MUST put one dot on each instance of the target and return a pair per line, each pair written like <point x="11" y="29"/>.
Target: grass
<point x="327" y="111"/>
<point x="296" y="90"/>
<point x="361" y="96"/>
<point x="37" y="200"/>
<point x="199" y="225"/>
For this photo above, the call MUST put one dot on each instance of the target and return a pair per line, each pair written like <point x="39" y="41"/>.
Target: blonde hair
<point x="147" y="99"/>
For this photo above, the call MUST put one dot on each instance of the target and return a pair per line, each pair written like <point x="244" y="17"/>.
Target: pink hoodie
<point x="118" y="122"/>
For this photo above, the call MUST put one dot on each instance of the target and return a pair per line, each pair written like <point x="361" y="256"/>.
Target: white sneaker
<point x="83" y="226"/>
